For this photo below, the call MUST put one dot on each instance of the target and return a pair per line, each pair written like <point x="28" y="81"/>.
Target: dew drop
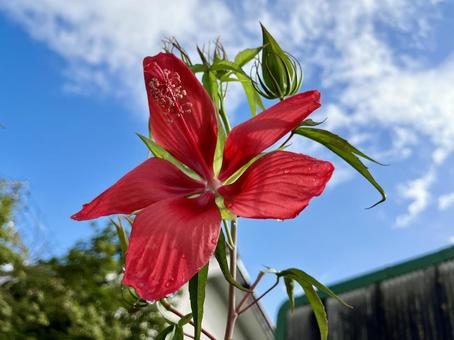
<point x="279" y="220"/>
<point x="151" y="302"/>
<point x="169" y="282"/>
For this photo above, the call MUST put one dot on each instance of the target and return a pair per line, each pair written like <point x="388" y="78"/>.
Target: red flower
<point x="176" y="231"/>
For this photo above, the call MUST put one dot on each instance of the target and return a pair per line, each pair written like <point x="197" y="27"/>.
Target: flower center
<point x="213" y="185"/>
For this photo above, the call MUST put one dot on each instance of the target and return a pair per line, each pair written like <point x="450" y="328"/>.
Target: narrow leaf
<point x="167" y="333"/>
<point x="197" y="295"/>
<point x="198" y="68"/>
<point x="210" y="84"/>
<point x="185" y="319"/>
<point x="346" y="151"/>
<point x="301" y="276"/>
<point x="290" y="287"/>
<point x="253" y="98"/>
<point x="310" y="122"/>
<point x="317" y="308"/>
<point x="160" y="152"/>
<point x="246" y="55"/>
<point x="221" y="257"/>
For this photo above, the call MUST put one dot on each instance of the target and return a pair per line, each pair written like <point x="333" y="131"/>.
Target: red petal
<point x="182" y="115"/>
<point x="170" y="242"/>
<point x="152" y="181"/>
<point x="250" y="138"/>
<point x="278" y="185"/>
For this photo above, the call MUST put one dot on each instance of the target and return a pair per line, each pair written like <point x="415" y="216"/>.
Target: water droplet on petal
<point x="151" y="302"/>
<point x="279" y="220"/>
<point x="169" y="282"/>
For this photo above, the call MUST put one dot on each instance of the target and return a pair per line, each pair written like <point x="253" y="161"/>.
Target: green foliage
<point x="75" y="296"/>
<point x="221" y="257"/>
<point x="344" y="150"/>
<point x="197" y="295"/>
<point x="308" y="284"/>
<point x="278" y="74"/>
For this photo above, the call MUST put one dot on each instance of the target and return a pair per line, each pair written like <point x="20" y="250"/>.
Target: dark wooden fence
<point x="413" y="300"/>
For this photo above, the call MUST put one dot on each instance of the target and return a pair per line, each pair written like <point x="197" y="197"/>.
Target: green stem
<point x="232" y="314"/>
<point x="223" y="114"/>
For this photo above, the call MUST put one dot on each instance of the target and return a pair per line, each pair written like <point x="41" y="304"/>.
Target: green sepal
<point x="197" y="296"/>
<point x="219" y="151"/>
<point x="160" y="152"/>
<point x="121" y="235"/>
<point x="226" y="214"/>
<point x="278" y="71"/>
<point x="246" y="55"/>
<point x="234" y="177"/>
<point x="346" y="151"/>
<point x="221" y="256"/>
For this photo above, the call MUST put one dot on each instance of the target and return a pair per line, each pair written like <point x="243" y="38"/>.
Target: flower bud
<point x="277" y="74"/>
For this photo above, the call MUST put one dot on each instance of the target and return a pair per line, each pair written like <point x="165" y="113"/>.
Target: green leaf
<point x="246" y="55"/>
<point x="178" y="333"/>
<point x="121" y="235"/>
<point x="226" y="65"/>
<point x="317" y="308"/>
<point x="198" y="68"/>
<point x="252" y="96"/>
<point x="185" y="319"/>
<point x="221" y="257"/>
<point x="159" y="152"/>
<point x="346" y="151"/>
<point x="310" y="122"/>
<point x="210" y="84"/>
<point x="290" y="287"/>
<point x="167" y="333"/>
<point x="197" y="295"/>
<point x="301" y="276"/>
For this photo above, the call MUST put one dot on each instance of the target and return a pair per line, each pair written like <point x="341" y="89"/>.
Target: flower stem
<point x="172" y="309"/>
<point x="232" y="315"/>
<point x="259" y="298"/>
<point x="247" y="295"/>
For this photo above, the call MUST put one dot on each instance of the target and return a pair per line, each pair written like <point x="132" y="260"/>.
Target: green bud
<point x="277" y="74"/>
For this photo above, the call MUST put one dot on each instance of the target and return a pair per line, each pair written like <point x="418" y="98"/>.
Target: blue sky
<point x="72" y="99"/>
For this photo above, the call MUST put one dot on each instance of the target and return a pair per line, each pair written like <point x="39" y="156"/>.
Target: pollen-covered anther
<point x="169" y="94"/>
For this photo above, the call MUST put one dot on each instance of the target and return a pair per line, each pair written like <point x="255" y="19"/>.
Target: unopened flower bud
<point x="277" y="74"/>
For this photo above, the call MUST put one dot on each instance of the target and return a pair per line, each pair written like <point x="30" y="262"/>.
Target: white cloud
<point x="417" y="191"/>
<point x="446" y="201"/>
<point x="373" y="85"/>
